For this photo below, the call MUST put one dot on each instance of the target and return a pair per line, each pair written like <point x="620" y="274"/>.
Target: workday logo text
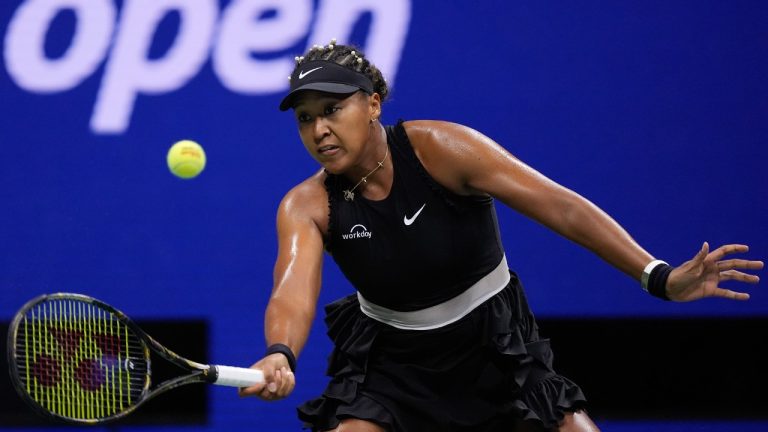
<point x="239" y="40"/>
<point x="358" y="231"/>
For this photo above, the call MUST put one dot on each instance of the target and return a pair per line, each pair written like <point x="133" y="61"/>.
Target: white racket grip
<point x="237" y="377"/>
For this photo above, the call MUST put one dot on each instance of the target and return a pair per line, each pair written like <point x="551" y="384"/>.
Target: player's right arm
<point x="302" y="218"/>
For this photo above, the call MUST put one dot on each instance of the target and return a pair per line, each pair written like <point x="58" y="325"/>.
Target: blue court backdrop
<point x="657" y="111"/>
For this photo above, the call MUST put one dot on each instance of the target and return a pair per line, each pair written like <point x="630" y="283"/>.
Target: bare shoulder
<point x="449" y="151"/>
<point x="305" y="202"/>
<point x="438" y="129"/>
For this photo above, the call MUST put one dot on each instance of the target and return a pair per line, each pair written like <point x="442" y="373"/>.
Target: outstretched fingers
<point x="700" y="277"/>
<point x="739" y="264"/>
<point x="730" y="294"/>
<point x="738" y="276"/>
<point x="724" y="250"/>
<point x="727" y="270"/>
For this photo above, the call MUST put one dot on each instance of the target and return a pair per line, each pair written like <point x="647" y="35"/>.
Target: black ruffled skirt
<point x="484" y="372"/>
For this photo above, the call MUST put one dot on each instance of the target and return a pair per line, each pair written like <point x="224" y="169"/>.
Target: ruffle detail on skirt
<point x="544" y="396"/>
<point x="549" y="401"/>
<point x="352" y="334"/>
<point x="481" y="373"/>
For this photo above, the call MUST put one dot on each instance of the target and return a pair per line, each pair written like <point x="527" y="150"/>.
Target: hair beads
<point x="348" y="56"/>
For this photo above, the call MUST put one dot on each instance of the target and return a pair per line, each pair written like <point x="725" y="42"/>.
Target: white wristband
<point x="647" y="272"/>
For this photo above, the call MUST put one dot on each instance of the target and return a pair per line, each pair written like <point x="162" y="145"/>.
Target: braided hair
<point x="348" y="56"/>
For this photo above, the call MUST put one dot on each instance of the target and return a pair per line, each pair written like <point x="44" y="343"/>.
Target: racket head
<point x="77" y="359"/>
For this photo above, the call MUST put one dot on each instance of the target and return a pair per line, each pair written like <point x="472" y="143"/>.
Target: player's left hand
<point x="700" y="277"/>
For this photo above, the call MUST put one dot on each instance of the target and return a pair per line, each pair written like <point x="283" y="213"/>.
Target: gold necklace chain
<point x="349" y="194"/>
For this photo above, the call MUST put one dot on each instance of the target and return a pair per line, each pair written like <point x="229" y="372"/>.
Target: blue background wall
<point x="654" y="110"/>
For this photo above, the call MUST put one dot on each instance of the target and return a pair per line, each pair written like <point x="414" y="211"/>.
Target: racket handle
<point x="236" y="376"/>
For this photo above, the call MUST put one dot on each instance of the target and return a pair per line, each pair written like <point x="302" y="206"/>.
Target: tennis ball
<point x="186" y="159"/>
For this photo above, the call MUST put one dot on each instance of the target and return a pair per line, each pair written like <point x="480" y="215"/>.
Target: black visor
<point x="325" y="76"/>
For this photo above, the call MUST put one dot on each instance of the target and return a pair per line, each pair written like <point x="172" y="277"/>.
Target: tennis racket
<point x="77" y="359"/>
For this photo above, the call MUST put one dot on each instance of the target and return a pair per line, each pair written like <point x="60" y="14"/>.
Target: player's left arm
<point x="468" y="162"/>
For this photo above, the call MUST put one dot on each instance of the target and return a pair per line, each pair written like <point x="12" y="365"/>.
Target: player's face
<point x="336" y="128"/>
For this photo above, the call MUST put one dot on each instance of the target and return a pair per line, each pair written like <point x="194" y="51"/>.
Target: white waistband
<point x="446" y="312"/>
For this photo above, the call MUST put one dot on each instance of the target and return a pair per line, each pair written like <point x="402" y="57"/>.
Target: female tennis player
<point x="439" y="336"/>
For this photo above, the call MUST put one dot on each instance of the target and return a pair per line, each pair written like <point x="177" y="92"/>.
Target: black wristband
<point x="657" y="281"/>
<point x="284" y="350"/>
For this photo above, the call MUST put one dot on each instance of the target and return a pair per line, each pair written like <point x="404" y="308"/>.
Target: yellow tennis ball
<point x="186" y="159"/>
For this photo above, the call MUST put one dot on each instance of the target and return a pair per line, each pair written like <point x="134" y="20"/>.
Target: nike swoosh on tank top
<point x="452" y="241"/>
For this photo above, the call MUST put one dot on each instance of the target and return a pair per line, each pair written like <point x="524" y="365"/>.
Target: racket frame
<point x="200" y="373"/>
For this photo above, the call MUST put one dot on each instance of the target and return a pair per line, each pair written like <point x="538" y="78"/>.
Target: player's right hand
<point x="279" y="380"/>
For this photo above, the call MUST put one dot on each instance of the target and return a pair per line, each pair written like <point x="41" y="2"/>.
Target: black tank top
<point x="418" y="247"/>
